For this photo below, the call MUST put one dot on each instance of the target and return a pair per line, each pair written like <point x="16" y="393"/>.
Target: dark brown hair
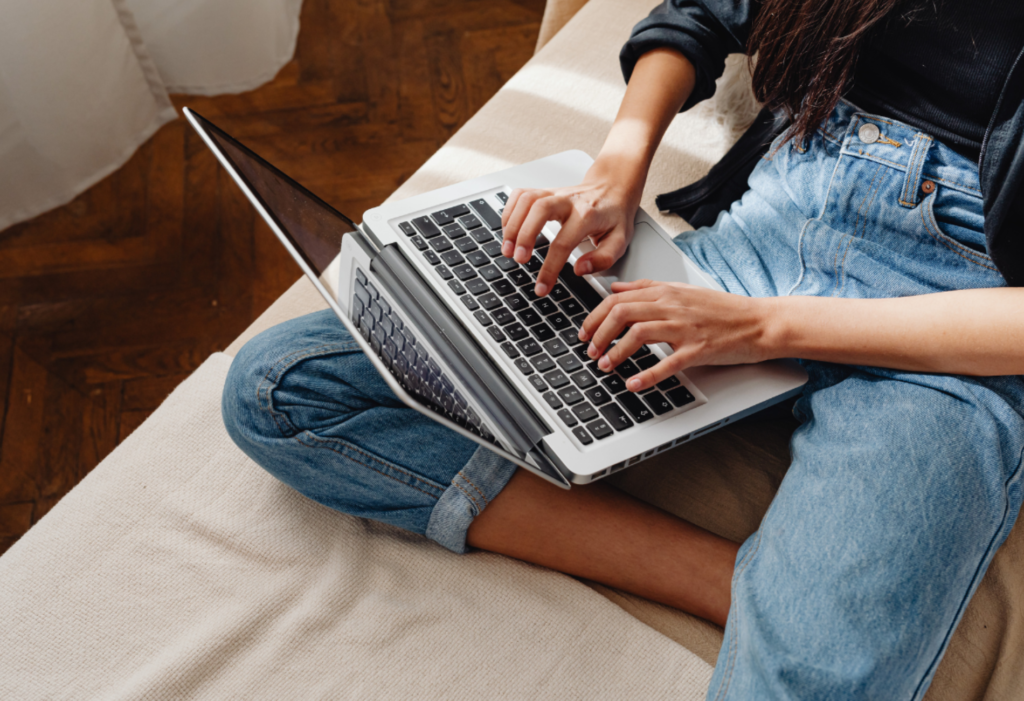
<point x="806" y="54"/>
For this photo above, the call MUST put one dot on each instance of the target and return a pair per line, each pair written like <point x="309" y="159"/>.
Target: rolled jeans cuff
<point x="471" y="490"/>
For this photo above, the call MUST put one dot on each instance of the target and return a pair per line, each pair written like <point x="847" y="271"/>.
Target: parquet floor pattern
<point x="107" y="303"/>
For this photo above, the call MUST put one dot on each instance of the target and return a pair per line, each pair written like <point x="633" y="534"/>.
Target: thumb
<point x="609" y="249"/>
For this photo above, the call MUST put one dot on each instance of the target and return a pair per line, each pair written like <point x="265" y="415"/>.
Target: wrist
<point x="776" y="321"/>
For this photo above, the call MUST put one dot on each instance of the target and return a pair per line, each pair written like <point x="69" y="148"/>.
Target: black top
<point x="951" y="68"/>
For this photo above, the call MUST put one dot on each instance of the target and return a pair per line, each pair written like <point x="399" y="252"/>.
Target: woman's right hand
<point x="602" y="207"/>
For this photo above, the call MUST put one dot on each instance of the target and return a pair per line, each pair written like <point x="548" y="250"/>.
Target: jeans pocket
<point x="956" y="220"/>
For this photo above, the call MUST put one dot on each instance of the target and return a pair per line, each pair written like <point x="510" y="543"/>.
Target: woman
<point x="860" y="247"/>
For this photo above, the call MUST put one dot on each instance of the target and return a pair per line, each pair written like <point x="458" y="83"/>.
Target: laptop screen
<point x="313" y="227"/>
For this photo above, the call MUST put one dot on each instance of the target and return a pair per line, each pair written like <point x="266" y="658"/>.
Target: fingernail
<point x="583" y="335"/>
<point x="522" y="255"/>
<point x="507" y="248"/>
<point x="633" y="384"/>
<point x="592" y="350"/>
<point x="586" y="267"/>
<point x="604" y="364"/>
<point x="541" y="289"/>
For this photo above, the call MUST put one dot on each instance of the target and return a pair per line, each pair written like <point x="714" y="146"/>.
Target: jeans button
<point x="868" y="133"/>
<point x="927" y="187"/>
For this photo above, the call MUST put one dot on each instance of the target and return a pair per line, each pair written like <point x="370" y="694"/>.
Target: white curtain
<point x="83" y="83"/>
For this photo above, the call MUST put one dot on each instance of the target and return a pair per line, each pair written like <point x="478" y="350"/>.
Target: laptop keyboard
<point x="538" y="335"/>
<point x="408" y="359"/>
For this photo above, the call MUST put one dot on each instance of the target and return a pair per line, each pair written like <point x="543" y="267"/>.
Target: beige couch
<point x="180" y="569"/>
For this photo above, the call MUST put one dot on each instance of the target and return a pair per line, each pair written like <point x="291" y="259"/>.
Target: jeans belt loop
<point x="912" y="184"/>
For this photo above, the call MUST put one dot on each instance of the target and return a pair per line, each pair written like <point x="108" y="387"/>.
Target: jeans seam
<point x="469" y="496"/>
<point x="871" y="193"/>
<point x="731" y="664"/>
<point x="942" y="238"/>
<point x="482" y="495"/>
<point x="326" y="443"/>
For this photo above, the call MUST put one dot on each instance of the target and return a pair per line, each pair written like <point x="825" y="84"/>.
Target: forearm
<point x="966" y="332"/>
<point x="661" y="82"/>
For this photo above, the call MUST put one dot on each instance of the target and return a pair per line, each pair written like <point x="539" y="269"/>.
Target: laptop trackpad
<point x="651" y="256"/>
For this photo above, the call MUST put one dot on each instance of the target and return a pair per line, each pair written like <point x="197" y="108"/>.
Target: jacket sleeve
<point x="705" y="31"/>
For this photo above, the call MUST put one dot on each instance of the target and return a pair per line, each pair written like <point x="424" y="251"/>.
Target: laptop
<point x="455" y="330"/>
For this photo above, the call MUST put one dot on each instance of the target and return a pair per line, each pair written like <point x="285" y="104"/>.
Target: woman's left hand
<point x="704" y="327"/>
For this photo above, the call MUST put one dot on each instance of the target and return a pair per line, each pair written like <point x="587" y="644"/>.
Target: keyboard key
<point x="534" y="264"/>
<point x="627" y="368"/>
<point x="559" y="321"/>
<point x="478" y="258"/>
<point x="407" y="228"/>
<point x="470" y="303"/>
<point x="582" y="436"/>
<point x="616" y="417"/>
<point x="516" y="331"/>
<point x="570" y="337"/>
<point x="453" y="231"/>
<point x="502" y="196"/>
<point x="614" y="383"/>
<point x="571" y="307"/>
<point x="584" y="412"/>
<point x="578" y="320"/>
<point x="528" y="292"/>
<point x="477" y="286"/>
<point x="372" y="290"/>
<point x="465" y="272"/>
<point x="538" y="383"/>
<point x="503" y="287"/>
<point x="516" y="303"/>
<point x="556" y="378"/>
<point x="529" y="347"/>
<point x="448" y="214"/>
<point x="600" y="429"/>
<point x="542" y="362"/>
<point x="528" y="316"/>
<point x="457" y="287"/>
<point x="520" y="277"/>
<point x="465" y="245"/>
<point x="570" y="395"/>
<point x="668" y="383"/>
<point x="657" y="402"/>
<point x="510" y="350"/>
<point x="567" y="418"/>
<point x="453" y="258"/>
<point x="542" y="332"/>
<point x="506" y="264"/>
<point x="487" y="213"/>
<point x="419" y="243"/>
<point x="489" y="301"/>
<point x="489" y="273"/>
<point x="598" y="395"/>
<point x="647" y="362"/>
<point x="584" y="379"/>
<point x="680" y="396"/>
<point x="440" y="244"/>
<point x="586" y="294"/>
<point x="469" y="221"/>
<point x="482" y="318"/>
<point x="492" y="248"/>
<point x="570" y="363"/>
<point x="523" y="366"/>
<point x="552" y="399"/>
<point x="545" y="306"/>
<point x="481" y="235"/>
<point x="496" y="333"/>
<point x="640" y="411"/>
<point x="444" y="272"/>
<point x="555" y="347"/>
<point x="641" y="352"/>
<point x="426" y="227"/>
<point x="431" y="257"/>
<point x="559" y="293"/>
<point x="502" y="316"/>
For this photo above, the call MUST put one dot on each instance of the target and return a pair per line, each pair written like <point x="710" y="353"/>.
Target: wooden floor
<point x="107" y="303"/>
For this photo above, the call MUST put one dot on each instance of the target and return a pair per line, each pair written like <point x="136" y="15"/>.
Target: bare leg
<point x="600" y="533"/>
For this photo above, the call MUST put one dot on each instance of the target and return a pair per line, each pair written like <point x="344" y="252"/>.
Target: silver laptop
<point x="455" y="330"/>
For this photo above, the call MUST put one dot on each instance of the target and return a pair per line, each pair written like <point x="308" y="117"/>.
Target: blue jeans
<point x="902" y="485"/>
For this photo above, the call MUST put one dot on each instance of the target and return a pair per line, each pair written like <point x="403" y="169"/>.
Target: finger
<point x="594" y="320"/>
<point x="543" y="210"/>
<point x="513" y="197"/>
<point x="557" y="255"/>
<point x="609" y="249"/>
<point x="523" y="205"/>
<point x="630" y="344"/>
<point x="634" y="285"/>
<point x="621" y="316"/>
<point x="680" y="360"/>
